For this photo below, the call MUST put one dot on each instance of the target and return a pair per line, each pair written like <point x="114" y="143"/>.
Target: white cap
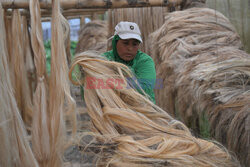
<point x="128" y="30"/>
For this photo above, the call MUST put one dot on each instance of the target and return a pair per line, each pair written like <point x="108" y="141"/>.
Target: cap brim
<point x="130" y="36"/>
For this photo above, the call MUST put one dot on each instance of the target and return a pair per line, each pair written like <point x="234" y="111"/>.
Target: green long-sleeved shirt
<point x="142" y="66"/>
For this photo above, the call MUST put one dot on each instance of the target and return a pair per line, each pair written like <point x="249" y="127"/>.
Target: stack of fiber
<point x="130" y="130"/>
<point x="198" y="55"/>
<point x="93" y="36"/>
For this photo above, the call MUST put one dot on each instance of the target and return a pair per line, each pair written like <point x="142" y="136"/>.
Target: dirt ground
<point x="73" y="155"/>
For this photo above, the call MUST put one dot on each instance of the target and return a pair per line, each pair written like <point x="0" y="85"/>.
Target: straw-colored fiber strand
<point x="16" y="60"/>
<point x="19" y="72"/>
<point x="56" y="97"/>
<point x="66" y="39"/>
<point x="59" y="97"/>
<point x="28" y="57"/>
<point x="197" y="55"/>
<point x="40" y="129"/>
<point x="14" y="146"/>
<point x="8" y="30"/>
<point x="135" y="131"/>
<point x="93" y="36"/>
<point x="71" y="104"/>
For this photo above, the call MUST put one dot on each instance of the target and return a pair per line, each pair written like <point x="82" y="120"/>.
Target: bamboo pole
<point x="92" y="4"/>
<point x="71" y="12"/>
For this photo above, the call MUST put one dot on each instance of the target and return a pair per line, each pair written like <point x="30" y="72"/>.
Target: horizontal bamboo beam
<point x="92" y="4"/>
<point x="70" y="12"/>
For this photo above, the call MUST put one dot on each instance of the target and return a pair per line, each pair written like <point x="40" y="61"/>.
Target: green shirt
<point x="142" y="66"/>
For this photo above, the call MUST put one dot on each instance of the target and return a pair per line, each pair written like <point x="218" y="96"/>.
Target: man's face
<point x="127" y="48"/>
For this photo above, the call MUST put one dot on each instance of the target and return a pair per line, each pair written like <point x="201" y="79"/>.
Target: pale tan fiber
<point x="40" y="129"/>
<point x="229" y="118"/>
<point x="58" y="87"/>
<point x="201" y="30"/>
<point x="28" y="58"/>
<point x="14" y="147"/>
<point x="8" y="30"/>
<point x="132" y="131"/>
<point x="93" y="36"/>
<point x="18" y="68"/>
<point x="66" y="38"/>
<point x="17" y="59"/>
<point x="204" y="71"/>
<point x="70" y="108"/>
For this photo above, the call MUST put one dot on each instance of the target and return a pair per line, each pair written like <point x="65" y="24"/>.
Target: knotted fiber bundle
<point x="52" y="97"/>
<point x="132" y="130"/>
<point x="93" y="36"/>
<point x="197" y="54"/>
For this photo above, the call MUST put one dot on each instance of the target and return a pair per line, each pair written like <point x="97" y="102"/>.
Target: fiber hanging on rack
<point x="14" y="146"/>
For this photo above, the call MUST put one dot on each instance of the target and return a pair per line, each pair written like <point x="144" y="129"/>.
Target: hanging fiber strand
<point x="198" y="55"/>
<point x="28" y="58"/>
<point x="130" y="130"/>
<point x="40" y="126"/>
<point x="70" y="109"/>
<point x="14" y="147"/>
<point x="8" y="29"/>
<point x="19" y="72"/>
<point x="58" y="87"/>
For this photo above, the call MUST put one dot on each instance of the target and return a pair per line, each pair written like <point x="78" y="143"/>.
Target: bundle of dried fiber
<point x="192" y="3"/>
<point x="60" y="99"/>
<point x="184" y="36"/>
<point x="18" y="68"/>
<point x="201" y="39"/>
<point x="132" y="130"/>
<point x="93" y="36"/>
<point x="227" y="83"/>
<point x="48" y="124"/>
<point x="40" y="120"/>
<point x="14" y="146"/>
